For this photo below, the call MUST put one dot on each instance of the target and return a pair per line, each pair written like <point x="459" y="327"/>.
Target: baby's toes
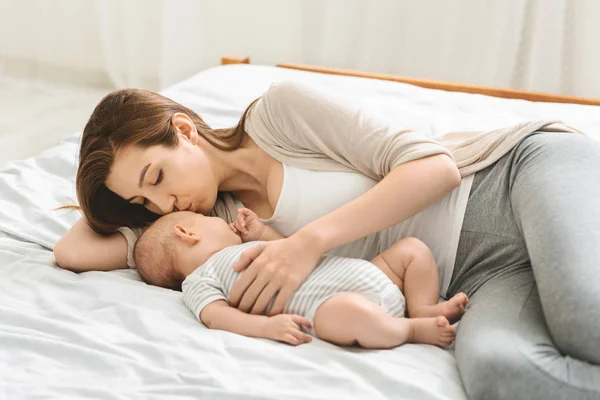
<point x="446" y="341"/>
<point x="442" y="322"/>
<point x="445" y="327"/>
<point x="462" y="299"/>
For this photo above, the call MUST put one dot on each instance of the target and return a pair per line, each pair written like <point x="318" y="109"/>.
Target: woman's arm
<point x="412" y="169"/>
<point x="82" y="249"/>
<point x="405" y="191"/>
<point x="278" y="268"/>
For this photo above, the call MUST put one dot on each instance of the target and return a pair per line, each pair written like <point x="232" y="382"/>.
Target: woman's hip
<point x="491" y="240"/>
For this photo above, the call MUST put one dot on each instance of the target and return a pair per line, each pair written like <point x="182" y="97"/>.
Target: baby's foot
<point x="436" y="330"/>
<point x="452" y="309"/>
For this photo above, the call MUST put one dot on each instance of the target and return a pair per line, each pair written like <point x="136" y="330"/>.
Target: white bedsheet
<point x="110" y="336"/>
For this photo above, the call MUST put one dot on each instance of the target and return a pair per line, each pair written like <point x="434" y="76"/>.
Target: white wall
<point x="38" y="39"/>
<point x="530" y="44"/>
<point x="586" y="54"/>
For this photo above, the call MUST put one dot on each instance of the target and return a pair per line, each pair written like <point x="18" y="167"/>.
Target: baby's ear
<point x="186" y="235"/>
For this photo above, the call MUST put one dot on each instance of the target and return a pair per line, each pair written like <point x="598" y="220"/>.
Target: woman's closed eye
<point x="158" y="181"/>
<point x="159" y="178"/>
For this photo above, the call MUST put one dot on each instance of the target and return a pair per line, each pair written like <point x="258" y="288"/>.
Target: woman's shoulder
<point x="285" y="87"/>
<point x="288" y="104"/>
<point x="288" y="91"/>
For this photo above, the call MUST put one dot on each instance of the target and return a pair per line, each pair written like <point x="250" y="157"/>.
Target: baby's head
<point x="178" y="243"/>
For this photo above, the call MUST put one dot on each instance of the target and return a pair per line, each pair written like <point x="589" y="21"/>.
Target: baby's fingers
<point x="290" y="339"/>
<point x="301" y="321"/>
<point x="301" y="336"/>
<point x="240" y="223"/>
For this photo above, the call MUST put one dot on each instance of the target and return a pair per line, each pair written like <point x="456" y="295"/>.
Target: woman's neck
<point x="244" y="171"/>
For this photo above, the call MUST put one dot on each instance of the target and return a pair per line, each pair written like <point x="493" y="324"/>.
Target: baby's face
<point x="203" y="225"/>
<point x="198" y="237"/>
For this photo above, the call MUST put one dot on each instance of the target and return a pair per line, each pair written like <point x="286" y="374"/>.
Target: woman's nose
<point x="163" y="206"/>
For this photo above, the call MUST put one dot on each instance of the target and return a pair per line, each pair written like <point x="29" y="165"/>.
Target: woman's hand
<point x="273" y="269"/>
<point x="247" y="225"/>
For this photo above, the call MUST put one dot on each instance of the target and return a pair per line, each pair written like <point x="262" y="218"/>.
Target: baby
<point x="345" y="301"/>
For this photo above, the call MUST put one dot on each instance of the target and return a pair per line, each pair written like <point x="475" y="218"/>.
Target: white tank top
<point x="307" y="195"/>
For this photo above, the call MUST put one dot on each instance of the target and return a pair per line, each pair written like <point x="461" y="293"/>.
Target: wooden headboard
<point x="452" y="87"/>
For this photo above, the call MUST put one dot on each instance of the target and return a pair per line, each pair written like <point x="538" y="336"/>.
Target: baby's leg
<point x="348" y="318"/>
<point x="410" y="264"/>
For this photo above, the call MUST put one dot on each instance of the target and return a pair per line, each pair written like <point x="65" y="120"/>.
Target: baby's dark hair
<point x="154" y="254"/>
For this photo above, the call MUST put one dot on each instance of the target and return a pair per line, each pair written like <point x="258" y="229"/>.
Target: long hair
<point x="132" y="117"/>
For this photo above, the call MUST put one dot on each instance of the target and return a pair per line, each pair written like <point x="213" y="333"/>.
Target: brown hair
<point x="155" y="261"/>
<point x="132" y="117"/>
<point x="154" y="254"/>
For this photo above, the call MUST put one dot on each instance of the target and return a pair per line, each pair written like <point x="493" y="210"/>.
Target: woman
<point x="518" y="233"/>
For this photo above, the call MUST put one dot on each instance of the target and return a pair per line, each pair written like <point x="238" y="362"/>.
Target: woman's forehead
<point x="128" y="167"/>
<point x="135" y="154"/>
<point x="137" y="158"/>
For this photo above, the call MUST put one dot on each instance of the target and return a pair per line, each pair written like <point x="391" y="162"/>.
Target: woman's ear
<point x="186" y="235"/>
<point x="184" y="126"/>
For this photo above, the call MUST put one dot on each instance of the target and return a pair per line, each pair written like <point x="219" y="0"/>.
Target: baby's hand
<point x="247" y="225"/>
<point x="286" y="328"/>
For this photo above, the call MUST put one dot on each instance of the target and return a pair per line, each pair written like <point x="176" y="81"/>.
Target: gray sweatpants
<point x="529" y="258"/>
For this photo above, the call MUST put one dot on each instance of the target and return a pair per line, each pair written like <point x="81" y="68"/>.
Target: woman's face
<point x="165" y="179"/>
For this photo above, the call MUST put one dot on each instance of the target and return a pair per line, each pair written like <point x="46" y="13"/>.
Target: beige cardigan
<point x="302" y="126"/>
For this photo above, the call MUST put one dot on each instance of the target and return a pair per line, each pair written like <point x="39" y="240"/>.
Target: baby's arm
<point x="250" y="228"/>
<point x="282" y="327"/>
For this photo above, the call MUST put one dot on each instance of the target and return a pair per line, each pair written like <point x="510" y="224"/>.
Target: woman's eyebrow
<point x="143" y="175"/>
<point x="141" y="180"/>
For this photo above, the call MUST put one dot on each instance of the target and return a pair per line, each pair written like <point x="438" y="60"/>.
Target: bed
<point x="110" y="336"/>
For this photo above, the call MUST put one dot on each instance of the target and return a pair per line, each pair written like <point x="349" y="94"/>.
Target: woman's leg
<point x="504" y="348"/>
<point x="555" y="197"/>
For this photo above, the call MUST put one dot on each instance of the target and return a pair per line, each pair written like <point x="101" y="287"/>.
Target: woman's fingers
<point x="241" y="285"/>
<point x="265" y="298"/>
<point x="253" y="292"/>
<point x="248" y="256"/>
<point x="282" y="298"/>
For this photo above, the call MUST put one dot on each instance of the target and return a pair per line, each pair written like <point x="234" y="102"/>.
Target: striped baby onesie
<point x="214" y="279"/>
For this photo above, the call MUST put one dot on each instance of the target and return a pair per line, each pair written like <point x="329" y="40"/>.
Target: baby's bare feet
<point x="452" y="309"/>
<point x="436" y="330"/>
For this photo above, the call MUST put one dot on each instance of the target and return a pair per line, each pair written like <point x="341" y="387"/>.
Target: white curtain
<point x="541" y="45"/>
